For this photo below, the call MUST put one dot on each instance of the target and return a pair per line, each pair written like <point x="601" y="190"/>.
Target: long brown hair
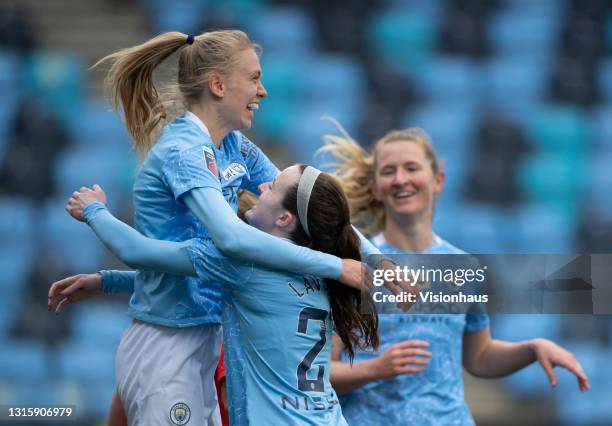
<point x="331" y="232"/>
<point x="356" y="169"/>
<point x="130" y="77"/>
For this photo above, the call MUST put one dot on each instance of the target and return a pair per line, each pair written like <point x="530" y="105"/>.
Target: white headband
<point x="307" y="181"/>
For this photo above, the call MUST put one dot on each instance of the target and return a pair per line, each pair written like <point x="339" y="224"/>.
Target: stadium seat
<point x="76" y="244"/>
<point x="304" y="135"/>
<point x="56" y="79"/>
<point x="166" y="16"/>
<point x="334" y="78"/>
<point x="602" y="128"/>
<point x="604" y="77"/>
<point x="100" y="322"/>
<point x="543" y="228"/>
<point x="516" y="79"/>
<point x="538" y="31"/>
<point x="100" y="127"/>
<point x="404" y="41"/>
<point x="24" y="360"/>
<point x="288" y="31"/>
<point x="113" y="169"/>
<point x="594" y="406"/>
<point x="89" y="363"/>
<point x="451" y="79"/>
<point x="560" y="129"/>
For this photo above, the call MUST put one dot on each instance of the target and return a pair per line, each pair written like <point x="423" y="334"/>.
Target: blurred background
<point x="516" y="95"/>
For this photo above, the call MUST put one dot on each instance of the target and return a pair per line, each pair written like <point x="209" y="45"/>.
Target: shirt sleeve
<point x="237" y="239"/>
<point x="260" y="168"/>
<point x="195" y="167"/>
<point x="476" y="322"/>
<point x="118" y="281"/>
<point x="133" y="248"/>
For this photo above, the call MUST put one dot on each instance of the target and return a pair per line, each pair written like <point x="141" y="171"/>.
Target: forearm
<point x="133" y="248"/>
<point x="500" y="358"/>
<point x="237" y="239"/>
<point x="345" y="377"/>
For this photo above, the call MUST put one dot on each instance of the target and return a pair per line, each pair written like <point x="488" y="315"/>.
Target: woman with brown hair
<point x="277" y="325"/>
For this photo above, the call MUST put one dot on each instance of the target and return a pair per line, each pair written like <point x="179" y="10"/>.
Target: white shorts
<point x="165" y="375"/>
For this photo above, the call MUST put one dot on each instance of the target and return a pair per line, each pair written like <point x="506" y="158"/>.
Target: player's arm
<point x="407" y="357"/>
<point x="485" y="357"/>
<point x="237" y="239"/>
<point x="130" y="246"/>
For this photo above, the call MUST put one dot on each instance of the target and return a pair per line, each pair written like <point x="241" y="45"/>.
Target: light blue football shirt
<point x="434" y="396"/>
<point x="185" y="158"/>
<point x="277" y="330"/>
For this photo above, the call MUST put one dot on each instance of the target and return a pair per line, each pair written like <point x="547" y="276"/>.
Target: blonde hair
<point x="130" y="84"/>
<point x="356" y="169"/>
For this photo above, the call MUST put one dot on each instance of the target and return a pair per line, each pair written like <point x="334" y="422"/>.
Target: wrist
<point x="91" y="209"/>
<point x="371" y="370"/>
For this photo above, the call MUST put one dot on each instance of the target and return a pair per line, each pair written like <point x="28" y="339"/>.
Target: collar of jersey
<point x="191" y="116"/>
<point x="380" y="241"/>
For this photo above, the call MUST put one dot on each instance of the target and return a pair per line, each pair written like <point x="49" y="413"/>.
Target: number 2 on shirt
<point x="305" y="384"/>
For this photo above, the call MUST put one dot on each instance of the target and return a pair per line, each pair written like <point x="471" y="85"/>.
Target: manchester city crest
<point x="180" y="414"/>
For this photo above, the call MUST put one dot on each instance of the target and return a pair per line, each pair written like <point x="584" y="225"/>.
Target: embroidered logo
<point x="180" y="414"/>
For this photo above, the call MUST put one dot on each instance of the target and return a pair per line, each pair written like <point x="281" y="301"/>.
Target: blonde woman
<point x="416" y="377"/>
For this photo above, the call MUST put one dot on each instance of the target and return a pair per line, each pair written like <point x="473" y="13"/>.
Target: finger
<point x="72" y="289"/>
<point x="576" y="368"/>
<point x="409" y="370"/>
<point x="552" y="378"/>
<point x="57" y="286"/>
<point x="97" y="187"/>
<point x="416" y="352"/>
<point x="61" y="305"/>
<point x="412" y="344"/>
<point x="406" y="361"/>
<point x="84" y="189"/>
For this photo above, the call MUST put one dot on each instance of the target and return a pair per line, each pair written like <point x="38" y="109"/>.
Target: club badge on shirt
<point x="211" y="164"/>
<point x="235" y="169"/>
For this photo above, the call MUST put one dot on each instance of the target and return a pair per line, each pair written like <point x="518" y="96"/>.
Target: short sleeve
<point x="476" y="322"/>
<point x="186" y="169"/>
<point x="260" y="168"/>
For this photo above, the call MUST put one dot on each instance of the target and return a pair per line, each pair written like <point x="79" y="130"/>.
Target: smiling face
<point x="243" y="91"/>
<point x="404" y="181"/>
<point x="269" y="214"/>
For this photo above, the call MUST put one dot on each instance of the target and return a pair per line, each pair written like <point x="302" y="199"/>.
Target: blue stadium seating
<point x="402" y="40"/>
<point x="24" y="360"/>
<point x="516" y="80"/>
<point x="113" y="169"/>
<point x="56" y="79"/>
<point x="101" y="322"/>
<point x="560" y="129"/>
<point x="451" y="79"/>
<point x="288" y="31"/>
<point x="76" y="244"/>
<point x="510" y="33"/>
<point x="166" y="16"/>
<point x="75" y="361"/>
<point x="101" y="128"/>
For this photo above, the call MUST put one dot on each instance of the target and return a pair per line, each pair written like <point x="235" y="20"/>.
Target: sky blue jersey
<point x="277" y="333"/>
<point x="434" y="396"/>
<point x="185" y="158"/>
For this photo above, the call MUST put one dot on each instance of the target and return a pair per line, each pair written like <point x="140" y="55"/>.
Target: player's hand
<point x="73" y="289"/>
<point x="551" y="355"/>
<point x="353" y="274"/>
<point x="407" y="357"/>
<point x="80" y="199"/>
<point x="398" y="287"/>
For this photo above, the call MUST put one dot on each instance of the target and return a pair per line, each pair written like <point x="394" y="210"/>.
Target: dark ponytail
<point x="354" y="316"/>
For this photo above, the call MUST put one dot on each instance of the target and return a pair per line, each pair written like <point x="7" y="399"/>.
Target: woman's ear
<point x="285" y="219"/>
<point x="216" y="84"/>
